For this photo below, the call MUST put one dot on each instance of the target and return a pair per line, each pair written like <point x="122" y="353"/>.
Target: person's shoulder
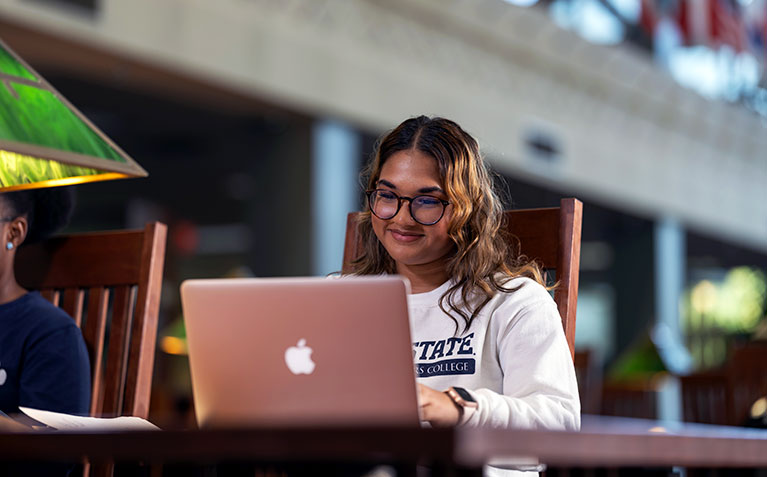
<point x="523" y="291"/>
<point x="524" y="302"/>
<point x="44" y="316"/>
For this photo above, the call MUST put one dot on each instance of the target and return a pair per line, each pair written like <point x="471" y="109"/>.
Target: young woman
<point x="488" y="343"/>
<point x="43" y="359"/>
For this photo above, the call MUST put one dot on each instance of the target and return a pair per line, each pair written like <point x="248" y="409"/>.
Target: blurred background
<point x="254" y="118"/>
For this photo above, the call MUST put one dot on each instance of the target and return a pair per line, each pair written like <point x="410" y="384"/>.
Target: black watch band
<point x="464" y="401"/>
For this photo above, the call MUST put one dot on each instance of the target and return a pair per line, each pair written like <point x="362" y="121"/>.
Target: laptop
<point x="300" y="351"/>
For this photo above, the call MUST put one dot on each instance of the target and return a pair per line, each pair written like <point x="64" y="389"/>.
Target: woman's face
<point x="411" y="173"/>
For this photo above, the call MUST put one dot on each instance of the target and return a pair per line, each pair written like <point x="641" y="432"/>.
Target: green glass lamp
<point x="44" y="140"/>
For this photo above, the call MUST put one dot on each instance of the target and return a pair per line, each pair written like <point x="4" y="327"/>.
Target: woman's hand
<point x="436" y="407"/>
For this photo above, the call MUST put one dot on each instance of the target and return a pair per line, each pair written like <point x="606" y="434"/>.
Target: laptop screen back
<point x="300" y="351"/>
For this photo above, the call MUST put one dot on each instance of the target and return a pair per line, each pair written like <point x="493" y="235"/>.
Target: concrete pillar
<point x="335" y="191"/>
<point x="670" y="266"/>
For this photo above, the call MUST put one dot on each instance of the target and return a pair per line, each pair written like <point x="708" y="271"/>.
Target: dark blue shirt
<point x="43" y="360"/>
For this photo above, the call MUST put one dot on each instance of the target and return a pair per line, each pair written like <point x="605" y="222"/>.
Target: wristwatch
<point x="464" y="401"/>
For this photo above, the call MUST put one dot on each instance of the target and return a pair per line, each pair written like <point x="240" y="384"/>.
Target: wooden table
<point x="601" y="443"/>
<point x="619" y="442"/>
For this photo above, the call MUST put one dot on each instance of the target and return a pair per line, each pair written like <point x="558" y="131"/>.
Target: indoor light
<point x="44" y="140"/>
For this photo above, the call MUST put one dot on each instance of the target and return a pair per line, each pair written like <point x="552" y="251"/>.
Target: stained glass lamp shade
<point x="44" y="140"/>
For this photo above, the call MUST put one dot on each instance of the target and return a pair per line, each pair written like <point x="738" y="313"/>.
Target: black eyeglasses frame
<point x="410" y="200"/>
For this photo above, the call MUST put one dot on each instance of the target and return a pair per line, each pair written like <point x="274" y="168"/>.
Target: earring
<point x="9" y="245"/>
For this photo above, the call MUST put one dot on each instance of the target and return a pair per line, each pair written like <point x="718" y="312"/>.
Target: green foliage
<point x="714" y="310"/>
<point x="38" y="117"/>
<point x="17" y="169"/>
<point x="734" y="305"/>
<point x="10" y="66"/>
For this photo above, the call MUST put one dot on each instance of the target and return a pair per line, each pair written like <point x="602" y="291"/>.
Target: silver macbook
<point x="300" y="351"/>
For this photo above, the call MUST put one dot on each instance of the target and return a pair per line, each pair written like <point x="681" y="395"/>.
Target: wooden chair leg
<point x="100" y="469"/>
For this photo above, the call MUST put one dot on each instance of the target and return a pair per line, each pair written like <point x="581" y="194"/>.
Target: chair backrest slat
<point x="551" y="236"/>
<point x="705" y="398"/>
<point x="73" y="304"/>
<point x="93" y="333"/>
<point x="747" y="379"/>
<point x="51" y="295"/>
<point x="725" y="395"/>
<point x="538" y="233"/>
<point x="144" y="328"/>
<point x="569" y="265"/>
<point x="352" y="242"/>
<point x="117" y="357"/>
<point x="126" y="265"/>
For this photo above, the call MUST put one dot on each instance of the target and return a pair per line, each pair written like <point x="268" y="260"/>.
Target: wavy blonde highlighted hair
<point x="482" y="259"/>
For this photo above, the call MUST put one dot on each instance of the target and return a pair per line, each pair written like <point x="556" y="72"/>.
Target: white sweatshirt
<point x="514" y="360"/>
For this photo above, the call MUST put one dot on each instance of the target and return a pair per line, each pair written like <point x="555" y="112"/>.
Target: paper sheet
<point x="68" y="422"/>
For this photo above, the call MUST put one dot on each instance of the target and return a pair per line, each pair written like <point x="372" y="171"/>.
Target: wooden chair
<point x="706" y="397"/>
<point x="589" y="375"/>
<point x="724" y="396"/>
<point x="552" y="236"/>
<point x="747" y="379"/>
<point x="109" y="282"/>
<point x="630" y="399"/>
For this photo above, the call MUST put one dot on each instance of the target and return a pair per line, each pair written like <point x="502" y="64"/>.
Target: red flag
<point x="712" y="23"/>
<point x="649" y="15"/>
<point x="727" y="26"/>
<point x="694" y="19"/>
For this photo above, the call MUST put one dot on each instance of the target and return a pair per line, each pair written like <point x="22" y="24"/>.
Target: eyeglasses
<point x="424" y="209"/>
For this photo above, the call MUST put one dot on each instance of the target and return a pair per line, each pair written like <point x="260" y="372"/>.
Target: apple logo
<point x="299" y="359"/>
<point x="3" y="376"/>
